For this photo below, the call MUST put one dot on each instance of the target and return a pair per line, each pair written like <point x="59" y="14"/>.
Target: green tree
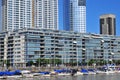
<point x="8" y="63"/>
<point x="30" y="63"/>
<point x="40" y="61"/>
<point x="118" y="62"/>
<point x="73" y="62"/>
<point x="56" y="61"/>
<point x="102" y="62"/>
<point x="48" y="61"/>
<point x="90" y="62"/>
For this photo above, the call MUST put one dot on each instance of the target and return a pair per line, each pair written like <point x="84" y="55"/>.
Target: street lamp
<point x="77" y="56"/>
<point x="74" y="42"/>
<point x="102" y="50"/>
<point x="83" y="49"/>
<point x="102" y="41"/>
<point x="5" y="64"/>
<point x="112" y="54"/>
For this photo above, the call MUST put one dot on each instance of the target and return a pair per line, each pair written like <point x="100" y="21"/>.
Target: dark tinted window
<point x="114" y="26"/>
<point x="81" y="2"/>
<point x="101" y="21"/>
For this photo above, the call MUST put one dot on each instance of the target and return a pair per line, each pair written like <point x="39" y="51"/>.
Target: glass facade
<point x="30" y="44"/>
<point x="66" y="15"/>
<point x="75" y="15"/>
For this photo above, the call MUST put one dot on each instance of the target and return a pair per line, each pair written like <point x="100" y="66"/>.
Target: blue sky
<point x="94" y="9"/>
<point x="97" y="7"/>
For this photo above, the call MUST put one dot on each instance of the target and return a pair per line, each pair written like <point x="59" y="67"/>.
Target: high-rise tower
<point x="46" y="14"/>
<point x="108" y="24"/>
<point x="75" y="15"/>
<point x="17" y="14"/>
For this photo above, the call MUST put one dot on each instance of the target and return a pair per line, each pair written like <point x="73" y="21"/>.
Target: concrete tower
<point x="108" y="24"/>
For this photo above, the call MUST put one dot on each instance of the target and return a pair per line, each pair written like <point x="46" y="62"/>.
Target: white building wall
<point x="30" y="13"/>
<point x="19" y="48"/>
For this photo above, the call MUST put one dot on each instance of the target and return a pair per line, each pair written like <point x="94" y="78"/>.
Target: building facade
<point x="75" y="15"/>
<point x="46" y="14"/>
<point x="108" y="24"/>
<point x="17" y="14"/>
<point x="24" y="45"/>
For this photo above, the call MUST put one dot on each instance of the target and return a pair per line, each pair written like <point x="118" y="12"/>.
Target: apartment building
<point x="25" y="45"/>
<point x="41" y="14"/>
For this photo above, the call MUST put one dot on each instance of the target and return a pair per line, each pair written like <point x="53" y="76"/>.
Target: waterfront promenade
<point x="80" y="77"/>
<point x="39" y="76"/>
<point x="44" y="68"/>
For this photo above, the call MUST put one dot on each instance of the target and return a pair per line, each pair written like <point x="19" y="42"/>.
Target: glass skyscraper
<point x="75" y="15"/>
<point x="17" y="14"/>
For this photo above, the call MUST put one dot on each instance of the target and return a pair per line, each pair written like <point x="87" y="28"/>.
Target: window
<point x="81" y="2"/>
